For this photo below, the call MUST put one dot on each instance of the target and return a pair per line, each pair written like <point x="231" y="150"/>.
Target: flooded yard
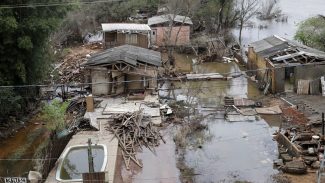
<point x="228" y="152"/>
<point x="220" y="151"/>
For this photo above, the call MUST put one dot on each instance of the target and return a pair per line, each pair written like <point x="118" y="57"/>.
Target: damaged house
<point x="117" y="34"/>
<point x="124" y="69"/>
<point x="169" y="27"/>
<point x="282" y="65"/>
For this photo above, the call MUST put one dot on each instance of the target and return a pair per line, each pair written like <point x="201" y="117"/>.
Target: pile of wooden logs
<point x="134" y="130"/>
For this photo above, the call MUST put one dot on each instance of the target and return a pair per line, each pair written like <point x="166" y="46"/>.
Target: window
<point x="131" y="39"/>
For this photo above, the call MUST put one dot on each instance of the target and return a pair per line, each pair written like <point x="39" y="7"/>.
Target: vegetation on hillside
<point x="25" y="52"/>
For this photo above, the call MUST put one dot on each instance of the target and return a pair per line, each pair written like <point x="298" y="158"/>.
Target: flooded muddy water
<point x="225" y="151"/>
<point x="296" y="10"/>
<point x="240" y="151"/>
<point x="161" y="165"/>
<point x="16" y="152"/>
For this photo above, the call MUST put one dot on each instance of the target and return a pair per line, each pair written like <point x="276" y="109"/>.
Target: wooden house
<point x="124" y="69"/>
<point x="281" y="65"/>
<point x="117" y="34"/>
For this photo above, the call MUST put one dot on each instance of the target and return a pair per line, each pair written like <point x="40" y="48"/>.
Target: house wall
<point x="135" y="85"/>
<point x="162" y="35"/>
<point x="308" y="72"/>
<point x="150" y="83"/>
<point x="255" y="62"/>
<point x="278" y="79"/>
<point x="110" y="39"/>
<point x="113" y="39"/>
<point x="118" y="86"/>
<point x="100" y="75"/>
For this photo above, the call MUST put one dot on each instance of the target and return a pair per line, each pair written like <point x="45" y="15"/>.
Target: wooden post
<point x="323" y="121"/>
<point x="90" y="103"/>
<point x="90" y="158"/>
<point x="98" y="177"/>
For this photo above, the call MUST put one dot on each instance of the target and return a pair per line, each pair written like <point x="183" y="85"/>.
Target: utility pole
<point x="323" y="121"/>
<point x="90" y="158"/>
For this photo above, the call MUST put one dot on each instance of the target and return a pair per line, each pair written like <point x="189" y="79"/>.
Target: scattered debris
<point x="133" y="130"/>
<point x="69" y="69"/>
<point x="295" y="167"/>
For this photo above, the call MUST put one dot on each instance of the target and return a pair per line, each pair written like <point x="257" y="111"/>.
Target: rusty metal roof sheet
<point x="272" y="45"/>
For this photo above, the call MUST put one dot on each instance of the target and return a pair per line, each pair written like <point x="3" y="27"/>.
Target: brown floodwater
<point x="21" y="146"/>
<point x="227" y="152"/>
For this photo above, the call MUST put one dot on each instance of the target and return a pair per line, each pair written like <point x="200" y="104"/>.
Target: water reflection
<point x="76" y="162"/>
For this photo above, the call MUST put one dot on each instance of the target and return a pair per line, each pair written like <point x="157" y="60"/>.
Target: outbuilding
<point x="170" y="30"/>
<point x="281" y="65"/>
<point x="124" y="69"/>
<point x="117" y="34"/>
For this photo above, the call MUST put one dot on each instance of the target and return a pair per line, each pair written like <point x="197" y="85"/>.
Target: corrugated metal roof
<point x="126" y="53"/>
<point x="267" y="43"/>
<point x="107" y="27"/>
<point x="165" y="18"/>
<point x="271" y="45"/>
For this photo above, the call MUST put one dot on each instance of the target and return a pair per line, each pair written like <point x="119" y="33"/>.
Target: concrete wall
<point x="161" y="38"/>
<point x="100" y="75"/>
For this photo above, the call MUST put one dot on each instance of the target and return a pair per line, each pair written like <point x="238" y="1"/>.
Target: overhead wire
<point x="153" y="79"/>
<point x="67" y="3"/>
<point x="224" y="139"/>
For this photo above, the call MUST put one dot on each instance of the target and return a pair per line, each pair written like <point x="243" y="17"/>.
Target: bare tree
<point x="174" y="8"/>
<point x="247" y="9"/>
<point x="269" y="10"/>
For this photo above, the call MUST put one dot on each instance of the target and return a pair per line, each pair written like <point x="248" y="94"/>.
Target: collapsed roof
<point x="128" y="54"/>
<point x="282" y="51"/>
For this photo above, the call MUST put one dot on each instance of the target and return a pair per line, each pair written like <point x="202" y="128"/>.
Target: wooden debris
<point x="134" y="130"/>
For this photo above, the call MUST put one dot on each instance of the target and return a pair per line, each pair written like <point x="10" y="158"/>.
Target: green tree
<point x="311" y="32"/>
<point x="24" y="41"/>
<point x="24" y="49"/>
<point x="54" y="115"/>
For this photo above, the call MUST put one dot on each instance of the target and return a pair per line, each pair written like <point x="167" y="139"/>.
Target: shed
<point x="117" y="34"/>
<point x="279" y="64"/>
<point x="124" y="69"/>
<point x="180" y="31"/>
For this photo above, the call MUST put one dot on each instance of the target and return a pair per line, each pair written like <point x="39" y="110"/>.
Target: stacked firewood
<point x="134" y="130"/>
